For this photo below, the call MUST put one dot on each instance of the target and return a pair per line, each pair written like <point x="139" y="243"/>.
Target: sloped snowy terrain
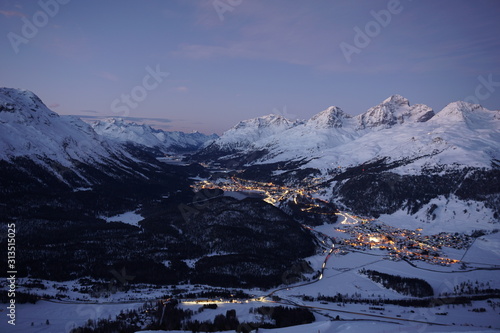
<point x="33" y="136"/>
<point x="248" y="132"/>
<point x="30" y="129"/>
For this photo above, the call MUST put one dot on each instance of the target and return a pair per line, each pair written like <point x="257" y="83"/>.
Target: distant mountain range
<point x="166" y="142"/>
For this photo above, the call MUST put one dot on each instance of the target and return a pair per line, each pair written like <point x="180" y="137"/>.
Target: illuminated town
<point x="400" y="244"/>
<point x="352" y="233"/>
<point x="272" y="193"/>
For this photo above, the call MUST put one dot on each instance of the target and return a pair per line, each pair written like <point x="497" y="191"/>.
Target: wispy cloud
<point x="54" y="105"/>
<point x="182" y="89"/>
<point x="11" y="13"/>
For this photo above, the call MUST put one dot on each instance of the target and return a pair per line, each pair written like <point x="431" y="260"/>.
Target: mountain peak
<point x="24" y="103"/>
<point x="19" y="94"/>
<point x="472" y="115"/>
<point x="394" y="110"/>
<point x="270" y="120"/>
<point x="457" y="111"/>
<point x="24" y="106"/>
<point x="396" y="99"/>
<point x="464" y="107"/>
<point x="331" y="117"/>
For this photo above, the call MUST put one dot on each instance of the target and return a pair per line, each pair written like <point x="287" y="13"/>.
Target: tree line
<point x="407" y="286"/>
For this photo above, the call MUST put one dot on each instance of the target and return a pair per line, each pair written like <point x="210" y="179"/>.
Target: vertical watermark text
<point x="11" y="273"/>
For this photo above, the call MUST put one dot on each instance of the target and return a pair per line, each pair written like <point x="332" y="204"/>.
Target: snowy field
<point x="32" y="318"/>
<point x="359" y="327"/>
<point x="64" y="317"/>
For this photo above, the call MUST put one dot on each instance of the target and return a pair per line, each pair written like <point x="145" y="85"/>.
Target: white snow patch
<point x="82" y="189"/>
<point x="131" y="218"/>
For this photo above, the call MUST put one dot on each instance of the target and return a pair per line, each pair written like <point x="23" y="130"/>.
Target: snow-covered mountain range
<point x="461" y="133"/>
<point x="394" y="156"/>
<point x="144" y="135"/>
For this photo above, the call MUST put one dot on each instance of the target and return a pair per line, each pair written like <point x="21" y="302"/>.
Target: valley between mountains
<point x="382" y="221"/>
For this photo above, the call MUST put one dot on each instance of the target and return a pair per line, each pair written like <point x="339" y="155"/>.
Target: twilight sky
<point x="205" y="65"/>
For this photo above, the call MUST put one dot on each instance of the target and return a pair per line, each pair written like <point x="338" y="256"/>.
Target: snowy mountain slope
<point x="329" y="128"/>
<point x="121" y="131"/>
<point x="248" y="133"/>
<point x="30" y="129"/>
<point x="37" y="146"/>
